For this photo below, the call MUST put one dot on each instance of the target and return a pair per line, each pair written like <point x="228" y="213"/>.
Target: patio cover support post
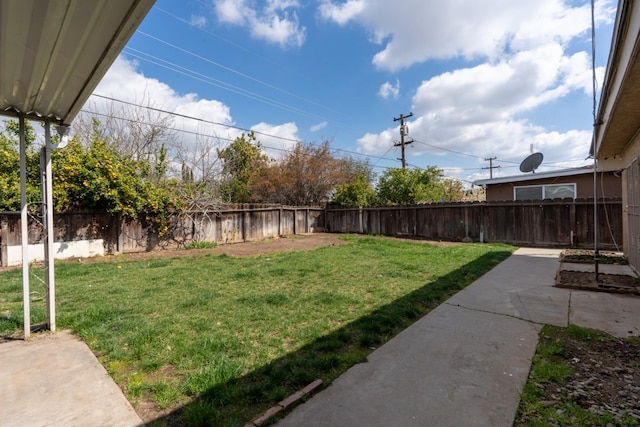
<point x="24" y="219"/>
<point x="596" y="249"/>
<point x="47" y="208"/>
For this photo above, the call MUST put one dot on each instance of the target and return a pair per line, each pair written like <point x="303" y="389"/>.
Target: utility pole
<point x="403" y="132"/>
<point x="491" y="167"/>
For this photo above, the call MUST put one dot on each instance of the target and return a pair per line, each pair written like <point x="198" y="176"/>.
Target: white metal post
<point x="47" y="185"/>
<point x="24" y="228"/>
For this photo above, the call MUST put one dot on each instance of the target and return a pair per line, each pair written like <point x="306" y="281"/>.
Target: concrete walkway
<point x="466" y="362"/>
<point x="55" y="380"/>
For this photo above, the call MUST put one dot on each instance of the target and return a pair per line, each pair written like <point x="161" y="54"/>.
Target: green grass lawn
<point x="222" y="339"/>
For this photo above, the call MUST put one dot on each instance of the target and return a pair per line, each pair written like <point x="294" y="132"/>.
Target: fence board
<point x="557" y="223"/>
<point x="119" y="235"/>
<point x="552" y="223"/>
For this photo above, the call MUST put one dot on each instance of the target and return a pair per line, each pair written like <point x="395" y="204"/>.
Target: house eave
<point x="535" y="176"/>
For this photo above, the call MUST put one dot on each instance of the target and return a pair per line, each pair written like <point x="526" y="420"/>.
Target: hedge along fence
<point x="548" y="223"/>
<point x="83" y="234"/>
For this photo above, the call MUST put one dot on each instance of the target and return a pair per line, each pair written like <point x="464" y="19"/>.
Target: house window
<point x="539" y="192"/>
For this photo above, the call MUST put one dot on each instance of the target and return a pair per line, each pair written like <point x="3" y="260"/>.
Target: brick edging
<point x="283" y="404"/>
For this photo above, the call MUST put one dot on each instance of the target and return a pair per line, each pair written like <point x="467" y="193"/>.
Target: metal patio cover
<point x="53" y="53"/>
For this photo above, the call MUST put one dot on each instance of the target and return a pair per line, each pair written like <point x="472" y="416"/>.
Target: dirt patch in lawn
<point x="298" y="242"/>
<point x="304" y="242"/>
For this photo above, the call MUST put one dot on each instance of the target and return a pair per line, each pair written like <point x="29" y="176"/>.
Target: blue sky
<point x="483" y="79"/>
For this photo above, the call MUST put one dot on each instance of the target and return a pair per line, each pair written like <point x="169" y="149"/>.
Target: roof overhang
<point x="54" y="53"/>
<point x="618" y="120"/>
<point x="533" y="176"/>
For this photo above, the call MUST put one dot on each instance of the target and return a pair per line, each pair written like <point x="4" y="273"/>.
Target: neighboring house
<point x="575" y="183"/>
<point x="617" y="131"/>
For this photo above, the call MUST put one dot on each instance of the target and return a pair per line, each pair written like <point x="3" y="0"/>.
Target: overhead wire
<point x="211" y="33"/>
<point x="244" y="92"/>
<point x="216" y="82"/>
<point x="232" y="70"/>
<point x="235" y="89"/>
<point x="225" y="125"/>
<point x="448" y="150"/>
<point x="238" y="46"/>
<point x="218" y="137"/>
<point x="460" y="153"/>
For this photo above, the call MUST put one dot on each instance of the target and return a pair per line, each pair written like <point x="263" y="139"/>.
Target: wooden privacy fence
<point x="78" y="233"/>
<point x="550" y="223"/>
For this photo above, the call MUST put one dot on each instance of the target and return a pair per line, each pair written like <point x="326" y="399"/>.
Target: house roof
<point x="618" y="121"/>
<point x="534" y="176"/>
<point x="54" y="53"/>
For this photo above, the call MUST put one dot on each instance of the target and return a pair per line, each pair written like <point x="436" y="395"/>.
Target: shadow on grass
<point x="240" y="400"/>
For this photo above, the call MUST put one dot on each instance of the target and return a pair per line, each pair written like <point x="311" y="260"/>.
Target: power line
<point x="246" y="50"/>
<point x="231" y="70"/>
<point x="211" y="122"/>
<point x="448" y="150"/>
<point x="211" y="33"/>
<point x="218" y="83"/>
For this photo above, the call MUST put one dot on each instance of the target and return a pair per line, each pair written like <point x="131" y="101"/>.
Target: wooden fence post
<point x="482" y="223"/>
<point x="244" y="225"/>
<point x="572" y="221"/>
<point x="4" y="241"/>
<point x="119" y="236"/>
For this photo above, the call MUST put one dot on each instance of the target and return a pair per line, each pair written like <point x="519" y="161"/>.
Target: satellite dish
<point x="531" y="163"/>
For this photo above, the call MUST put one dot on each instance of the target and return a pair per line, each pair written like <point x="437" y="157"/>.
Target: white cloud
<point x="415" y="31"/>
<point x="319" y="126"/>
<point x="522" y="63"/>
<point x="388" y="90"/>
<point x="341" y="13"/>
<point x="476" y="110"/>
<point x="125" y="82"/>
<point x="187" y="139"/>
<point x="231" y="11"/>
<point x="276" y="22"/>
<point x="284" y="138"/>
<point x="503" y="89"/>
<point x="198" y="21"/>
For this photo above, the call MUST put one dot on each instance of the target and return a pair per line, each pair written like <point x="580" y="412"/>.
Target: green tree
<point x="98" y="178"/>
<point x="453" y="190"/>
<point x="242" y="159"/>
<point x="408" y="186"/>
<point x="88" y="175"/>
<point x="10" y="166"/>
<point x="358" y="192"/>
